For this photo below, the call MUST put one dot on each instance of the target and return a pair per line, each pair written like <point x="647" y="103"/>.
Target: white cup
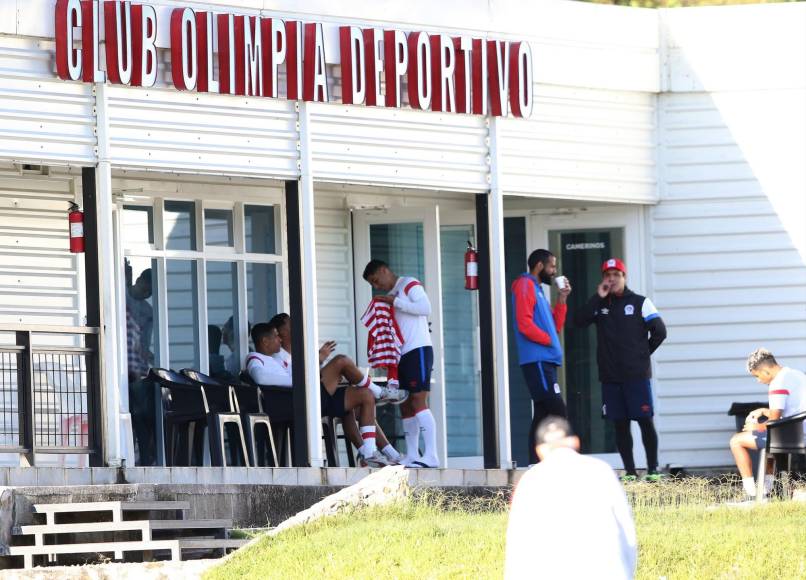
<point x="561" y="282"/>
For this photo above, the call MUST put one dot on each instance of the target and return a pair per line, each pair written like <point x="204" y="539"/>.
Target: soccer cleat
<point x="628" y="478"/>
<point x="377" y="459"/>
<point x="654" y="476"/>
<point x="392" y="395"/>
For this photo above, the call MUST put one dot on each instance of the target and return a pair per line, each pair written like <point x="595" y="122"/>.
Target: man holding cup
<point x="537" y="328"/>
<point x="628" y="330"/>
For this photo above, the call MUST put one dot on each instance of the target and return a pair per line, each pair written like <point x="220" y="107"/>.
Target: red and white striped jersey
<point x="385" y="339"/>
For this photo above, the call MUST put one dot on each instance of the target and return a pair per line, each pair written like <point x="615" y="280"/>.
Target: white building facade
<point x="675" y="139"/>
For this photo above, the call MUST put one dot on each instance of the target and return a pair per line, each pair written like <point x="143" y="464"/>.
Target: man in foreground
<point x="336" y="401"/>
<point x="628" y="330"/>
<point x="569" y="516"/>
<point x="787" y="395"/>
<point x="537" y="329"/>
<point x="411" y="310"/>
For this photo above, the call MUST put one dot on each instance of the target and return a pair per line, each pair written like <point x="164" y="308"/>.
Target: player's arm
<point x="414" y="300"/>
<point x="560" y="312"/>
<point x="525" y="301"/>
<point x="654" y="325"/>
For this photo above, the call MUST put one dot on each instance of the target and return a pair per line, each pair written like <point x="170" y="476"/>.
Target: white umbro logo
<point x="629" y="310"/>
<point x="605" y="311"/>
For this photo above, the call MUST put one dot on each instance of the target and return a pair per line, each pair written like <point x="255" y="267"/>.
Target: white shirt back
<point x="787" y="392"/>
<point x="570" y="519"/>
<point x="412" y="309"/>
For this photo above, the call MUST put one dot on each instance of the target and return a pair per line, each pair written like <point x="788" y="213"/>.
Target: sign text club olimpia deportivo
<point x="443" y="72"/>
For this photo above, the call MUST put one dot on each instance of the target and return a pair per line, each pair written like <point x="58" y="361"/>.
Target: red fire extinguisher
<point x="471" y="268"/>
<point x="76" y="219"/>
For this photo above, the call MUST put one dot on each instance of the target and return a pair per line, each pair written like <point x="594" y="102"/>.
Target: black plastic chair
<point x="184" y="412"/>
<point x="221" y="411"/>
<point x="784" y="437"/>
<point x="248" y="402"/>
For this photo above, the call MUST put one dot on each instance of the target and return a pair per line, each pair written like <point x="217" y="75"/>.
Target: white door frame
<point x="629" y="217"/>
<point x="429" y="216"/>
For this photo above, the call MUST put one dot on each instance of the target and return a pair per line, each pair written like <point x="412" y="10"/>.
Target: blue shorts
<point x="628" y="400"/>
<point x="541" y="378"/>
<point x="414" y="369"/>
<point x="761" y="439"/>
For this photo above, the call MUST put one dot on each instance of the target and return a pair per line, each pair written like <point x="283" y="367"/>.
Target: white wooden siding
<point x="334" y="277"/>
<point x="378" y="146"/>
<point x="582" y="144"/>
<point x="727" y="274"/>
<point x="42" y="119"/>
<point x="39" y="277"/>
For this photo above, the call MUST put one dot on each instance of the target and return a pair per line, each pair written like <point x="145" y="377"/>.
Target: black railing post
<point x="489" y="406"/>
<point x="297" y="303"/>
<point x="25" y="400"/>
<point x="92" y="289"/>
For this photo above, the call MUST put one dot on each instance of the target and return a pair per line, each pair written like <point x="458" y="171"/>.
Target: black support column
<point x="489" y="400"/>
<point x="296" y="300"/>
<point x="92" y="289"/>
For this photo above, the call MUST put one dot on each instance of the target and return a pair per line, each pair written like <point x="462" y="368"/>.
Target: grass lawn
<point x="437" y="538"/>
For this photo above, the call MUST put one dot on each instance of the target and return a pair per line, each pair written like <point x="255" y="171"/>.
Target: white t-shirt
<point x="265" y="370"/>
<point x="412" y="309"/>
<point x="570" y="519"/>
<point x="787" y="392"/>
<point x="284" y="358"/>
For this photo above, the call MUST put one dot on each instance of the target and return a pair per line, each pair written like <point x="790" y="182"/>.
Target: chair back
<point x="216" y="394"/>
<point x="786" y="435"/>
<point x="184" y="396"/>
<point x="247" y="397"/>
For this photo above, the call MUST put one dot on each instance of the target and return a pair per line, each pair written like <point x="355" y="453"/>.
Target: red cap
<point x="614" y="264"/>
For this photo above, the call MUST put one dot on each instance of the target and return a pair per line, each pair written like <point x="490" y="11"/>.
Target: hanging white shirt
<point x="412" y="309"/>
<point x="265" y="370"/>
<point x="570" y="519"/>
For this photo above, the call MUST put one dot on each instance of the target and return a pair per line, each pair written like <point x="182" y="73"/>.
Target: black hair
<point x="373" y="266"/>
<point x="260" y="331"/>
<point x="279" y="320"/>
<point x="541" y="256"/>
<point x="552" y="429"/>
<point x="213" y="338"/>
<point x="145" y="275"/>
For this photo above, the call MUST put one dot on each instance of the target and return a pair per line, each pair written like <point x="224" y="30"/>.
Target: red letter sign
<point x="419" y="70"/>
<point x="498" y="58"/>
<point x="68" y="59"/>
<point x="144" y="49"/>
<point x="315" y="69"/>
<point x="249" y="56"/>
<point x="462" y="47"/>
<point x="118" y="28"/>
<point x="520" y="80"/>
<point x="396" y="61"/>
<point x="443" y="65"/>
<point x="183" y="49"/>
<point x="353" y="67"/>
<point x="274" y="47"/>
<point x="293" y="60"/>
<point x="480" y="89"/>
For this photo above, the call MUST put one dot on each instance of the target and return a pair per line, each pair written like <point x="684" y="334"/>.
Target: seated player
<point x="336" y="401"/>
<point x="282" y="322"/>
<point x="787" y="394"/>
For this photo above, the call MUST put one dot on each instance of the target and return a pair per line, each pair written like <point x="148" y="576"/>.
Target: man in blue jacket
<point x="537" y="327"/>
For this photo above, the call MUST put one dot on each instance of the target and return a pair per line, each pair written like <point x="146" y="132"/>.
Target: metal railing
<point x="50" y="393"/>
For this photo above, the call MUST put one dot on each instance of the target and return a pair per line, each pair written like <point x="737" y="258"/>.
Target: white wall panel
<point x="728" y="273"/>
<point x="582" y="144"/>
<point x="171" y="130"/>
<point x="42" y="119"/>
<point x="39" y="277"/>
<point x="369" y="145"/>
<point x="334" y="278"/>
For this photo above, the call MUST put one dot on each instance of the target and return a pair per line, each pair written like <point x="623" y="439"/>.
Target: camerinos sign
<point x="443" y="73"/>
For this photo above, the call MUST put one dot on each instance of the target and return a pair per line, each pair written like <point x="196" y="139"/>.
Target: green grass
<point x="681" y="534"/>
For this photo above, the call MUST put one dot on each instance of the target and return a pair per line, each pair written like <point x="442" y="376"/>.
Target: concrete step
<point x="174" y="546"/>
<point x="100" y="506"/>
<point x="88" y="527"/>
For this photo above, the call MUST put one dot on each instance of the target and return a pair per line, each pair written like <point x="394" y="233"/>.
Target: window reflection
<point x="183" y="335"/>
<point x="222" y="319"/>
<point x="180" y="225"/>
<point x="259" y="229"/>
<point x="218" y="227"/>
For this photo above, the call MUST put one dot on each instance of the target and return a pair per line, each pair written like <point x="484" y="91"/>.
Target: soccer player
<point x="787" y="394"/>
<point x="282" y="322"/>
<point x="336" y="401"/>
<point x="537" y="329"/>
<point x="412" y="309"/>
<point x="628" y="330"/>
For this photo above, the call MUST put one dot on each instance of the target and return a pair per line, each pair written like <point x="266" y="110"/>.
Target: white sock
<point x="749" y="485"/>
<point x="367" y="382"/>
<point x="411" y="429"/>
<point x="391" y="452"/>
<point x="429" y="428"/>
<point x="368" y="435"/>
